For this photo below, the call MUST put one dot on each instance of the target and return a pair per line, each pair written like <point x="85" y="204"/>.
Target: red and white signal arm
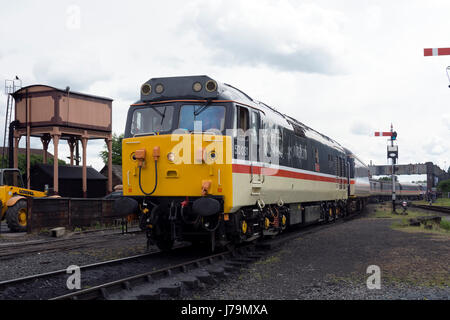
<point x="428" y="52"/>
<point x="383" y="134"/>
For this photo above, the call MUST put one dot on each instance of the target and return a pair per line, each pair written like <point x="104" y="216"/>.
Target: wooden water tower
<point x="55" y="114"/>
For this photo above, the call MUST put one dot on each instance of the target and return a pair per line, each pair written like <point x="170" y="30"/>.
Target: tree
<point x="444" y="186"/>
<point x="34" y="159"/>
<point x="116" y="150"/>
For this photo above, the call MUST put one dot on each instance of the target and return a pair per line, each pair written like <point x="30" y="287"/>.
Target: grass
<point x="269" y="260"/>
<point x="401" y="222"/>
<point x="444" y="202"/>
<point x="44" y="231"/>
<point x="445" y="224"/>
<point x="385" y="212"/>
<point x="436" y="229"/>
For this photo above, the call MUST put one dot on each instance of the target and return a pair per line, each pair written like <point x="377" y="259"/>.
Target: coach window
<point x="330" y="162"/>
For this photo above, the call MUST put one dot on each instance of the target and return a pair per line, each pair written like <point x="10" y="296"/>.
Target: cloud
<point x="435" y="146"/>
<point x="361" y="128"/>
<point x="446" y="120"/>
<point x="281" y="35"/>
<point x="70" y="70"/>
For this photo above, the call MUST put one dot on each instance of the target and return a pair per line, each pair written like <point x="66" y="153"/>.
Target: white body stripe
<point x="289" y="190"/>
<point x="272" y="166"/>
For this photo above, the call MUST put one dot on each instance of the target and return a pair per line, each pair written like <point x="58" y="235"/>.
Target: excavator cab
<point x="11" y="177"/>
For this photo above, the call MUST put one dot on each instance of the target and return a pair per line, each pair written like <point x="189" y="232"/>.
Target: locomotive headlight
<point x="197" y="87"/>
<point x="159" y="88"/>
<point x="146" y="89"/>
<point x="171" y="157"/>
<point x="211" y="86"/>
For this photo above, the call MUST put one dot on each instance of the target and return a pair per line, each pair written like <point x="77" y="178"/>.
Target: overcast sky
<point x="344" y="68"/>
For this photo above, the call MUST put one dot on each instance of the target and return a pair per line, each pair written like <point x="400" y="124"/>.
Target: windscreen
<point x="152" y="120"/>
<point x="211" y="117"/>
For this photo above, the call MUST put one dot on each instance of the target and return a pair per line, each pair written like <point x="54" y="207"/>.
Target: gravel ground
<point x="332" y="264"/>
<point x="34" y="263"/>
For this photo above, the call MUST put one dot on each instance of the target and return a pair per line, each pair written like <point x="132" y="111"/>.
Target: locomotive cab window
<point x="152" y="120"/>
<point x="211" y="118"/>
<point x="242" y="118"/>
<point x="255" y="121"/>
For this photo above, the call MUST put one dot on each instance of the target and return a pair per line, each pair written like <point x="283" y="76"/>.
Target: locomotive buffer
<point x="392" y="153"/>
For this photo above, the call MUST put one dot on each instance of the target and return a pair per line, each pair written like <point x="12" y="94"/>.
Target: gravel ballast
<point x="332" y="264"/>
<point x="117" y="246"/>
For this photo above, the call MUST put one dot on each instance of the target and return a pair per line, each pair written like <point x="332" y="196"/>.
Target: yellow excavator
<point x="13" y="197"/>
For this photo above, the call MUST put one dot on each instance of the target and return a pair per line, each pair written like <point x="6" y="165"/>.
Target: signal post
<point x="392" y="153"/>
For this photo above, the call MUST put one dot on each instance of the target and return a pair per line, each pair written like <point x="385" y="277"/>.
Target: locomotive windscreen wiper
<point x="203" y="108"/>
<point x="163" y="115"/>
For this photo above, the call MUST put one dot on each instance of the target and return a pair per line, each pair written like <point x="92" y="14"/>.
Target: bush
<point x="444" y="186"/>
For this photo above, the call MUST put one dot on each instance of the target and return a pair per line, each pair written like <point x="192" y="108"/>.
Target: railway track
<point x="173" y="281"/>
<point x="8" y="250"/>
<point x="123" y="278"/>
<point x="47" y="285"/>
<point x="433" y="208"/>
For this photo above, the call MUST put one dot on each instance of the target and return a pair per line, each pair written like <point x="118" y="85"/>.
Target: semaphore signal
<point x="392" y="153"/>
<point x="428" y="52"/>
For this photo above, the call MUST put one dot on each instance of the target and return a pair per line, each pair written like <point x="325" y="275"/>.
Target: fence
<point x="70" y="213"/>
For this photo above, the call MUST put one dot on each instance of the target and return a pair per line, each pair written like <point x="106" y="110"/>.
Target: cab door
<point x="254" y="147"/>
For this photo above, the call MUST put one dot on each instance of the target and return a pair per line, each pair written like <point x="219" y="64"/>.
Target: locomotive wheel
<point x="283" y="222"/>
<point x="143" y="221"/>
<point x="16" y="216"/>
<point x="331" y="216"/>
<point x="164" y="244"/>
<point x="244" y="227"/>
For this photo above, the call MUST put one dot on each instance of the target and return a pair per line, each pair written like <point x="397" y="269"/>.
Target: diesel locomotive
<point x="209" y="164"/>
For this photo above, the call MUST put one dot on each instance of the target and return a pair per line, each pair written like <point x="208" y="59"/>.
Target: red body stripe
<point x="242" y="168"/>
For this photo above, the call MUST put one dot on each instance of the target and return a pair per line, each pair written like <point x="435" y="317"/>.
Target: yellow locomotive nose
<point x="196" y="165"/>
